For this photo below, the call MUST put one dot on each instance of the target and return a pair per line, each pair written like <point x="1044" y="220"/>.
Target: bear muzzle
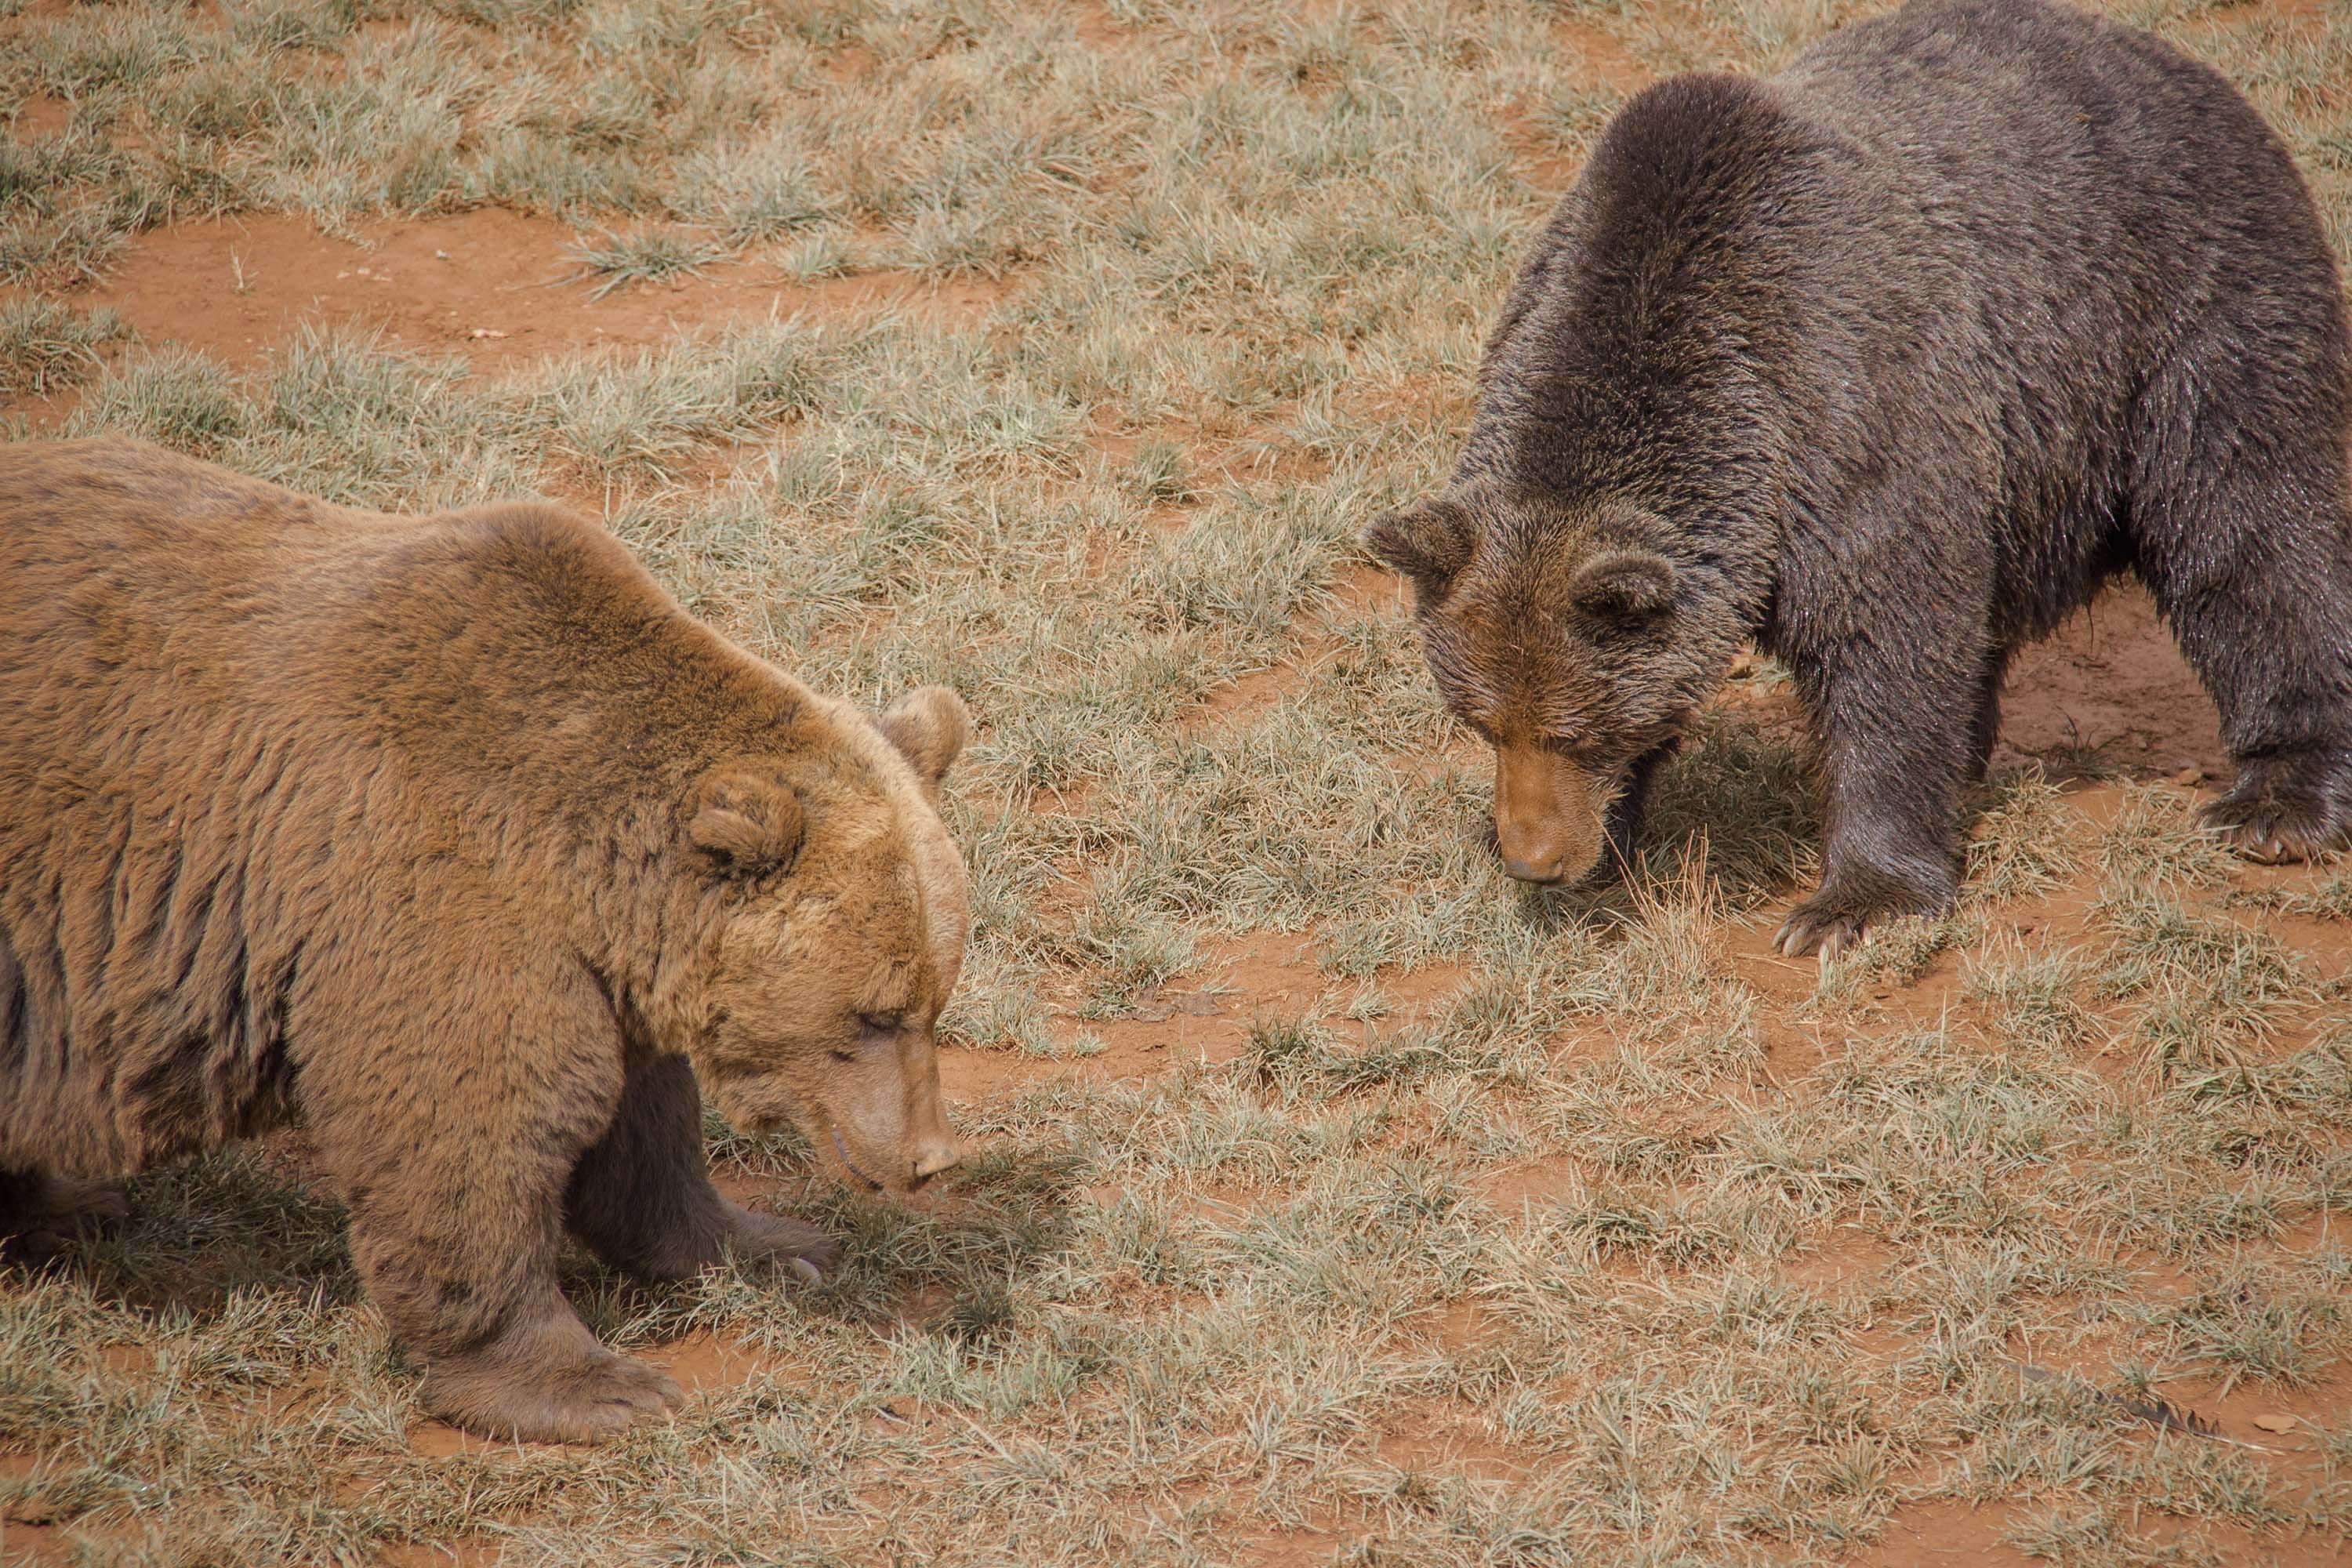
<point x="918" y="1161"/>
<point x="1546" y="820"/>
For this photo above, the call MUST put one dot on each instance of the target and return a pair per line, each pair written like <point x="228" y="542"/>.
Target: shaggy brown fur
<point x="458" y="838"/>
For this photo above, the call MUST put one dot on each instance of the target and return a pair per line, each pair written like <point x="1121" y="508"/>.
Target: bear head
<point x="1565" y="635"/>
<point x="838" y="936"/>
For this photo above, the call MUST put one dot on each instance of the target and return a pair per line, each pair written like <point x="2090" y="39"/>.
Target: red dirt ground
<point x="494" y="287"/>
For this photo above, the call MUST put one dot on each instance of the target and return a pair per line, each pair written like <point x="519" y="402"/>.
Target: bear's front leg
<point x="642" y="1198"/>
<point x="459" y="1255"/>
<point x="1621" y="823"/>
<point x="1894" y="746"/>
<point x="452" y="1143"/>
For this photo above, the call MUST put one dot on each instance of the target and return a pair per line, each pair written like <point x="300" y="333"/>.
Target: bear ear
<point x="929" y="725"/>
<point x="743" y="824"/>
<point x="1624" y="585"/>
<point x="1429" y="542"/>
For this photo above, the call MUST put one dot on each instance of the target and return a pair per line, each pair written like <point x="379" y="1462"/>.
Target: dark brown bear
<point x="455" y="837"/>
<point x="1889" y="363"/>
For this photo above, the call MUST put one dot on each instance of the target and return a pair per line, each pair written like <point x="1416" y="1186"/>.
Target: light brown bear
<point x="457" y="837"/>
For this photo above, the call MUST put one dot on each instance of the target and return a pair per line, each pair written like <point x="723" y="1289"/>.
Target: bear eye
<point x="877" y="1024"/>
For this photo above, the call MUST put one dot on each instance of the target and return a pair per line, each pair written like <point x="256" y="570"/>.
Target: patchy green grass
<point x="1333" y="1199"/>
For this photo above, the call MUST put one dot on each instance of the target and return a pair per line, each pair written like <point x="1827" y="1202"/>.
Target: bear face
<point x="840" y="940"/>
<point x="1564" y="635"/>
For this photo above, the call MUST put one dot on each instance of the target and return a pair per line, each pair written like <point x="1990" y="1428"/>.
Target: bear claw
<point x="1807" y="930"/>
<point x="1842" y="917"/>
<point x="2267" y="833"/>
<point x="2280" y="810"/>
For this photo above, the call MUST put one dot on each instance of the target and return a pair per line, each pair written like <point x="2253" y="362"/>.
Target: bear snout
<point x="1544" y="823"/>
<point x="1545" y="870"/>
<point x="933" y="1155"/>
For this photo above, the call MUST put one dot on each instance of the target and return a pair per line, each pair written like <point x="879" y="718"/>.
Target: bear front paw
<point x="1841" y="916"/>
<point x="40" y="1213"/>
<point x="80" y="1207"/>
<point x="581" y="1398"/>
<point x="780" y="1242"/>
<point x="2272" y="816"/>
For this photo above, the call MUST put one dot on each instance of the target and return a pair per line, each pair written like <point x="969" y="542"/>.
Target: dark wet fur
<point x="1895" y="358"/>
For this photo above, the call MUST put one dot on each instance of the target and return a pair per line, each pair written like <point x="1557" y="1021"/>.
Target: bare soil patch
<point x="2111" y="682"/>
<point x="498" y="288"/>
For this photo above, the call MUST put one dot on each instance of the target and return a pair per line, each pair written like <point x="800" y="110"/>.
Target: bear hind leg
<point x="2245" y="542"/>
<point x="641" y="1196"/>
<point x="2267" y="635"/>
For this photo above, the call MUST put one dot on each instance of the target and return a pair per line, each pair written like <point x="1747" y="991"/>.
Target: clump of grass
<point x="746" y="196"/>
<point x="76" y="244"/>
<point x="46" y="347"/>
<point x="2206" y="989"/>
<point x="819" y="255"/>
<point x="2020" y="846"/>
<point x="649" y="256"/>
<point x="2157" y="838"/>
<point x="2035" y="992"/>
<point x="1575" y="116"/>
<point x="1159" y="471"/>
<point x="2330" y="899"/>
<point x="1899" y="952"/>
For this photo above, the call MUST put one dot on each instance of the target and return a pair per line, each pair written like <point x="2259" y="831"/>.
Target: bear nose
<point x="932" y="1158"/>
<point x="1530" y="852"/>
<point x="1545" y="869"/>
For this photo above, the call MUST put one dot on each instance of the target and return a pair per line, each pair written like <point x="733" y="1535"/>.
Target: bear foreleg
<point x="642" y="1198"/>
<point x="1621" y="823"/>
<point x="453" y="1150"/>
<point x="1896" y="745"/>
